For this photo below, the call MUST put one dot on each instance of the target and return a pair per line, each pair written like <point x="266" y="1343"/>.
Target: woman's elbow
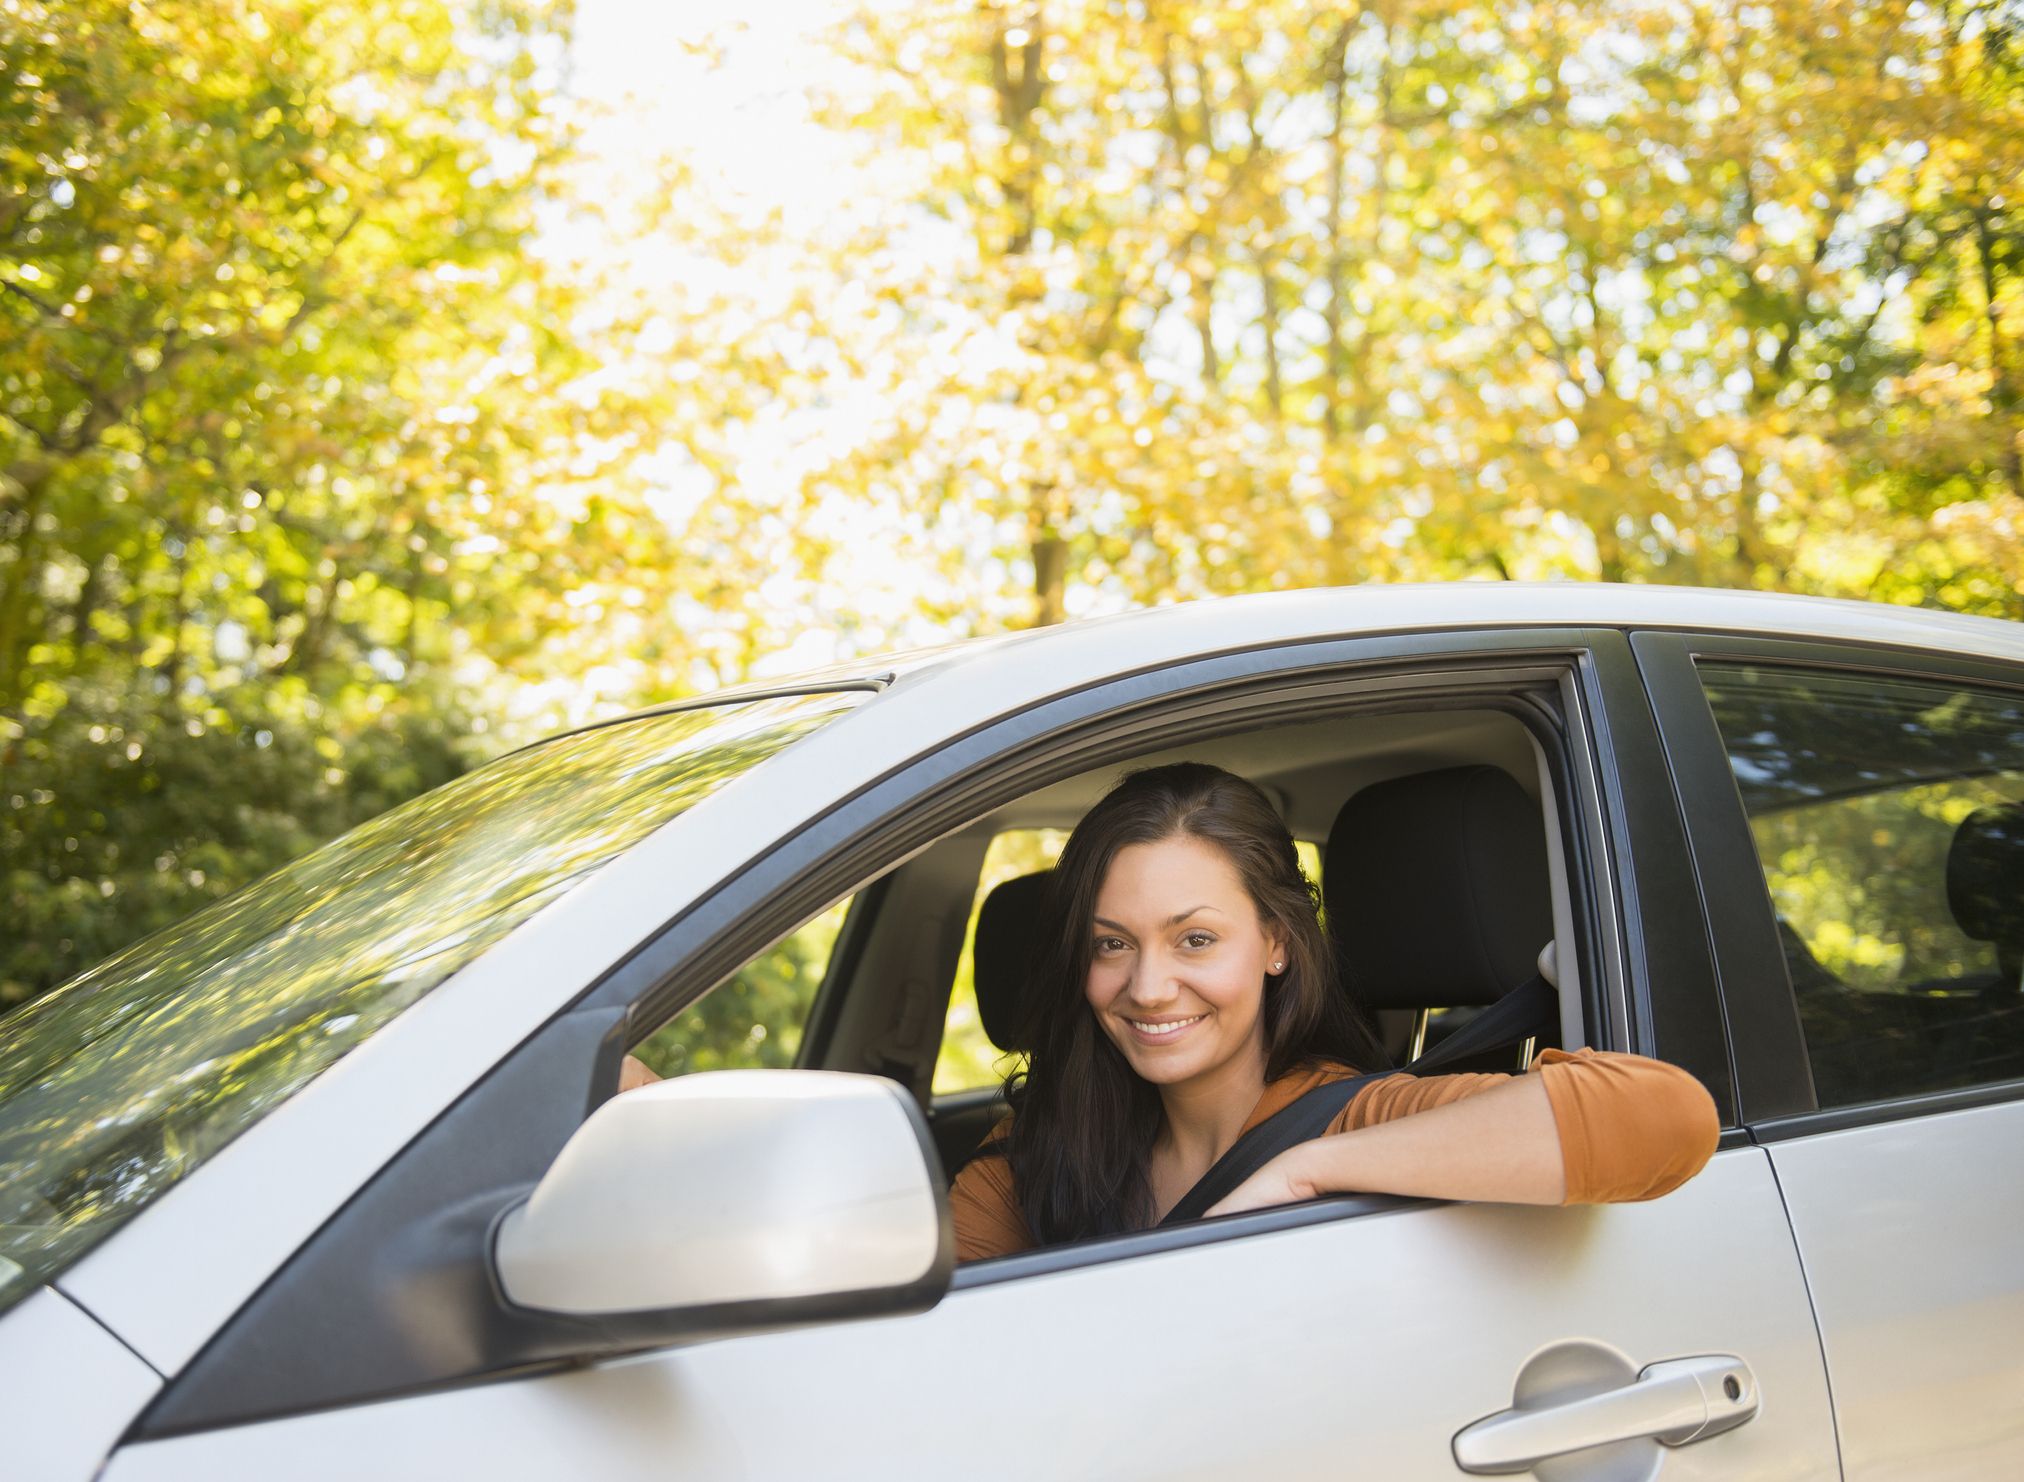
<point x="1683" y="1132"/>
<point x="1665" y="1129"/>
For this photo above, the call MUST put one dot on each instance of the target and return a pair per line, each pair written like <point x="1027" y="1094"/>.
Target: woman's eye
<point x="1110" y="944"/>
<point x="1198" y="940"/>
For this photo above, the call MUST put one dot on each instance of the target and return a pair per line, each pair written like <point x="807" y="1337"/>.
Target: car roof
<point x="1406" y="607"/>
<point x="1364" y="611"/>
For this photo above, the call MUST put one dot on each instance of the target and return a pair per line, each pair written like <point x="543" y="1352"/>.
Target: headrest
<point x="1436" y="889"/>
<point x="1985" y="874"/>
<point x="1002" y="957"/>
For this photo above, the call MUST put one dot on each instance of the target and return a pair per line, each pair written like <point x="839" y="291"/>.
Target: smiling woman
<point x="1187" y="994"/>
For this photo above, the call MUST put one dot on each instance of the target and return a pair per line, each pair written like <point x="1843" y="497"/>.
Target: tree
<point x="298" y="438"/>
<point x="1719" y="292"/>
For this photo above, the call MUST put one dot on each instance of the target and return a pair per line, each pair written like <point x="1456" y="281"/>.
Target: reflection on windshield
<point x="119" y="1083"/>
<point x="1858" y="736"/>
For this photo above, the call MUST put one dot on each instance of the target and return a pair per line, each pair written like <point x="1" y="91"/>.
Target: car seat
<point x="1985" y="893"/>
<point x="1437" y="894"/>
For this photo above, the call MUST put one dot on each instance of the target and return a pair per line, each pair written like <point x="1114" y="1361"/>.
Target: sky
<point x="746" y="116"/>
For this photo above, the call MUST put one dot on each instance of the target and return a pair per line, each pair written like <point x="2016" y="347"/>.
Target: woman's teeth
<point x="1172" y="1026"/>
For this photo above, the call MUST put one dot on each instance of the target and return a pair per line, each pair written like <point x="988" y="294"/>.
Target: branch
<point x="48" y="309"/>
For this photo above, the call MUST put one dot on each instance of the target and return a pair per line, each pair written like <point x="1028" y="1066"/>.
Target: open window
<point x="1434" y="831"/>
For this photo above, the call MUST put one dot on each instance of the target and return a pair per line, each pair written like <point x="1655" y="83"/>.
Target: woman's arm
<point x="1581" y="1128"/>
<point x="1499" y="1145"/>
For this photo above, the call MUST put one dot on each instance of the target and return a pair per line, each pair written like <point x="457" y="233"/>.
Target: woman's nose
<point x="1153" y="981"/>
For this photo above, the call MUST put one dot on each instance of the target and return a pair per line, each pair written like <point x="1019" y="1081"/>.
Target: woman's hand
<point x="634" y="1073"/>
<point x="1281" y="1181"/>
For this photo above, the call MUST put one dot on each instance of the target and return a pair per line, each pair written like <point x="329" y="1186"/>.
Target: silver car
<point x="330" y="1181"/>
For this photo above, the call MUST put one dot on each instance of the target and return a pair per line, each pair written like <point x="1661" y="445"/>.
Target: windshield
<point x="122" y="1081"/>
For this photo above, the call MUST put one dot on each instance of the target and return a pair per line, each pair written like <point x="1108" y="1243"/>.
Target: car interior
<point x="1440" y="867"/>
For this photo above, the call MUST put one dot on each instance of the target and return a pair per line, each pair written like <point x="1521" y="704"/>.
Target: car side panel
<point x="1912" y="1234"/>
<point x="71" y="1390"/>
<point x="1353" y="1347"/>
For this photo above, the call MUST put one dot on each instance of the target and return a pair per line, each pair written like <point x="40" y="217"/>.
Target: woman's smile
<point x="1158" y="1031"/>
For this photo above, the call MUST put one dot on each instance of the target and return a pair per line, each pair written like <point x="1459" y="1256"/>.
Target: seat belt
<point x="1517" y="1016"/>
<point x="1532" y="1008"/>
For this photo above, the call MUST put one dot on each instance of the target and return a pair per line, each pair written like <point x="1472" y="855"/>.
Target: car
<point x="331" y="1180"/>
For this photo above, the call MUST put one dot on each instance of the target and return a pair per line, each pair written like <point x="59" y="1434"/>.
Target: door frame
<point x="1774" y="1079"/>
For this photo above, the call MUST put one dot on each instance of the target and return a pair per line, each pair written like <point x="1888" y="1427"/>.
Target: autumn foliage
<point x="342" y="429"/>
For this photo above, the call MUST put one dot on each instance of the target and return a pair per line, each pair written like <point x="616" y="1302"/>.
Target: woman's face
<point x="1177" y="977"/>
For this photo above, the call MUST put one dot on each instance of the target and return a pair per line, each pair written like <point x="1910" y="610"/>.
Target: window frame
<point x="1774" y="1077"/>
<point x="418" y="1226"/>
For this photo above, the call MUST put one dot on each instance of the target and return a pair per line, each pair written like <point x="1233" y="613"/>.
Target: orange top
<point x="1630" y="1128"/>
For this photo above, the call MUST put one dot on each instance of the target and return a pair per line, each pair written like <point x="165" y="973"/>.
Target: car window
<point x="1888" y="817"/>
<point x="754" y="1019"/>
<point x="121" y="1082"/>
<point x="968" y="1060"/>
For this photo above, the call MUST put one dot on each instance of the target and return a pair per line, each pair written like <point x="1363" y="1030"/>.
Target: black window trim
<point x="1676" y="1013"/>
<point x="1328" y="1210"/>
<point x="1050" y="1260"/>
<point x="398" y="1239"/>
<point x="1774" y="1081"/>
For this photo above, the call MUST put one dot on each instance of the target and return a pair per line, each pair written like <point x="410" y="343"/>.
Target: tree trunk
<point x="85" y="607"/>
<point x="1332" y="311"/>
<point x="179" y="605"/>
<point x="317" y="613"/>
<point x="20" y="580"/>
<point x="1608" y="552"/>
<point x="1019" y="91"/>
<point x="1269" y="322"/>
<point x="2003" y="394"/>
<point x="1050" y="578"/>
<point x="1194" y="254"/>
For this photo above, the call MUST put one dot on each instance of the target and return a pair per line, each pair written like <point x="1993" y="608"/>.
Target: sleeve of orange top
<point x="987" y="1218"/>
<point x="1630" y="1128"/>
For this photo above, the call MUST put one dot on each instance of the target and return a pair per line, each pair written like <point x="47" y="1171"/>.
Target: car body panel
<point x="71" y="1390"/>
<point x="1353" y="1347"/>
<point x="1912" y="1236"/>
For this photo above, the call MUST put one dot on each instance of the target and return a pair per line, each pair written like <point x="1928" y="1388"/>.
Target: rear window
<point x="121" y="1082"/>
<point x="1888" y="816"/>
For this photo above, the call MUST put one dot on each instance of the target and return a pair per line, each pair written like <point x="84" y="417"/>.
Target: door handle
<point x="1674" y="1402"/>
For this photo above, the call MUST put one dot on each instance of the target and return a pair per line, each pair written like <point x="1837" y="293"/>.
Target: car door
<point x="1343" y="1336"/>
<point x="1859" y="827"/>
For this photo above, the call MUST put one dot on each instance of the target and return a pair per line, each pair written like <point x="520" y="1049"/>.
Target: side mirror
<point x="734" y="1199"/>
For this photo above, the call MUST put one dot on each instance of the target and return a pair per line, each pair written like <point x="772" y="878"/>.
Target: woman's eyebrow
<point x="1105" y="921"/>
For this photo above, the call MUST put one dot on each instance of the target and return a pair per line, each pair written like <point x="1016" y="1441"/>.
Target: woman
<point x="1186" y="993"/>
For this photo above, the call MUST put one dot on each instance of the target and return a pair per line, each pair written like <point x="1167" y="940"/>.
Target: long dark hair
<point x="1084" y="1121"/>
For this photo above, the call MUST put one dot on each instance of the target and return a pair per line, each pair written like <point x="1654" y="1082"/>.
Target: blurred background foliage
<point x="359" y="414"/>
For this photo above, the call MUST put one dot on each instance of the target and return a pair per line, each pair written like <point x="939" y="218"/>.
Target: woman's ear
<point x="1275" y="953"/>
